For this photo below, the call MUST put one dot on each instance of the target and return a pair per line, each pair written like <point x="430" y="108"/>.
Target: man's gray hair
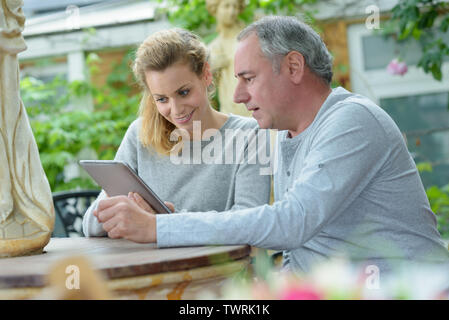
<point x="280" y="35"/>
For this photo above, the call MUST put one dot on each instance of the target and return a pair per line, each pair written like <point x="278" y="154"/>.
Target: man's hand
<point x="144" y="205"/>
<point x="122" y="217"/>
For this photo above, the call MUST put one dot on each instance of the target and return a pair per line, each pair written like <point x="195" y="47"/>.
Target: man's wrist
<point x="152" y="229"/>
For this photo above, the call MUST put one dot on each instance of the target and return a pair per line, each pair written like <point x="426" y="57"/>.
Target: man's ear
<point x="295" y="64"/>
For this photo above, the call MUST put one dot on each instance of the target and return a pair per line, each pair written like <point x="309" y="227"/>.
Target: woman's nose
<point x="176" y="108"/>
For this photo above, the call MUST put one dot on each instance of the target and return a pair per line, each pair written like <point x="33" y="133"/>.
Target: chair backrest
<point x="70" y="207"/>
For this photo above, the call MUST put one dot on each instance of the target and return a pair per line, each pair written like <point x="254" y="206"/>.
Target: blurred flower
<point x="306" y="292"/>
<point x="397" y="67"/>
<point x="261" y="291"/>
<point x="338" y="279"/>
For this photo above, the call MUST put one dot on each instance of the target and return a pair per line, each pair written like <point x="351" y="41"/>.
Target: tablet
<point x="117" y="178"/>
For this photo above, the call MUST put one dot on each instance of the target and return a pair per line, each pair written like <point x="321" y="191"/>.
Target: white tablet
<point x="117" y="178"/>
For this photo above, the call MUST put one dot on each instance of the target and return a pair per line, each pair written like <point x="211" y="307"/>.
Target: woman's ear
<point x="295" y="66"/>
<point x="207" y="74"/>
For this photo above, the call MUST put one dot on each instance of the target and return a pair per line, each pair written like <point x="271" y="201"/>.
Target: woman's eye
<point x="161" y="100"/>
<point x="184" y="92"/>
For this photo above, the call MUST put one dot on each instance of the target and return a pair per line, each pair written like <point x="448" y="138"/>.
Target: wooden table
<point x="130" y="270"/>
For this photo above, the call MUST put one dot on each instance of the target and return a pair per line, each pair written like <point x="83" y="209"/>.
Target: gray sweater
<point x="215" y="174"/>
<point x="346" y="186"/>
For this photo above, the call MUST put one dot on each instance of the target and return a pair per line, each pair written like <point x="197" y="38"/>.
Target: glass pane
<point x="374" y="58"/>
<point x="420" y="117"/>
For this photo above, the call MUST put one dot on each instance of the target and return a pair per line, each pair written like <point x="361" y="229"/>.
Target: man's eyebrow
<point x="180" y="88"/>
<point x="240" y="74"/>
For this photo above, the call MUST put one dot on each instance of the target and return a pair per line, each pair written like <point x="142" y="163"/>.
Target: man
<point x="345" y="183"/>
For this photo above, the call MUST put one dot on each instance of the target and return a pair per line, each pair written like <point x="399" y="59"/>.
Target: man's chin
<point x="263" y="124"/>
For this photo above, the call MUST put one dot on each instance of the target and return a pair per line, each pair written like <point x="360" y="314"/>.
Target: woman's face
<point x="180" y="95"/>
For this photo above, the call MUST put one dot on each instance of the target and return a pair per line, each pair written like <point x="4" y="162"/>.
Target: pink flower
<point x="300" y="293"/>
<point x="397" y="67"/>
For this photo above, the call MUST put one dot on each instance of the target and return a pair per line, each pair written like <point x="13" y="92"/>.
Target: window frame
<point x="379" y="84"/>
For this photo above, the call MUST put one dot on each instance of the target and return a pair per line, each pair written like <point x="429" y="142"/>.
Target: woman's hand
<point x="122" y="217"/>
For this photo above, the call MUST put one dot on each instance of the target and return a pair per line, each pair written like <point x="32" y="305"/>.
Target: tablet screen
<point x="117" y="178"/>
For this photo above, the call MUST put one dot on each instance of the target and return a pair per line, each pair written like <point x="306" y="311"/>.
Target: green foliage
<point x="62" y="131"/>
<point x="424" y="167"/>
<point x="439" y="201"/>
<point x="189" y="14"/>
<point x="425" y="21"/>
<point x="193" y="15"/>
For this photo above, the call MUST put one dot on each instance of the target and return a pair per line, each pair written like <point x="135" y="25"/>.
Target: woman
<point x="172" y="68"/>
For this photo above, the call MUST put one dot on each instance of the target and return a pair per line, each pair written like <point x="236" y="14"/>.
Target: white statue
<point x="222" y="51"/>
<point x="26" y="205"/>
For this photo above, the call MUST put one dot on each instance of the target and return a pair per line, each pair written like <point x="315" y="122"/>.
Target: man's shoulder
<point x="347" y="103"/>
<point x="357" y="110"/>
<point x="241" y="122"/>
<point x="354" y="108"/>
<point x="359" y="119"/>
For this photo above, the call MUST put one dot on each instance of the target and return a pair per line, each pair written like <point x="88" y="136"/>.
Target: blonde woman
<point x="172" y="68"/>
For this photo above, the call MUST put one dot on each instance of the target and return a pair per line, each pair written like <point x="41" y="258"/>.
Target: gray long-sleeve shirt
<point x="347" y="185"/>
<point x="219" y="173"/>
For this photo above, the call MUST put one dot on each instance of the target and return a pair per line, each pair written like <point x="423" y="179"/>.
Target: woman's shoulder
<point x="131" y="143"/>
<point x="133" y="129"/>
<point x="131" y="136"/>
<point x="135" y="125"/>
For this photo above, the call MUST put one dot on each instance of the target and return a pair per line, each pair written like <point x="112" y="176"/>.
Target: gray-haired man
<point x="345" y="182"/>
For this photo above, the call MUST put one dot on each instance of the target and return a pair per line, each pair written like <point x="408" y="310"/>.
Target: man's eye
<point x="249" y="80"/>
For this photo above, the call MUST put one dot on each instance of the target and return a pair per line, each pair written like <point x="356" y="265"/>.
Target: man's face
<point x="262" y="90"/>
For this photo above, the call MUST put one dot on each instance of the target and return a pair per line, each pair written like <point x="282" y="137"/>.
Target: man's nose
<point x="240" y="94"/>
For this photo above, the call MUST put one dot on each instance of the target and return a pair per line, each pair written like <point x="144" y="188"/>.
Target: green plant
<point x="194" y="16"/>
<point x="62" y="132"/>
<point x="425" y="21"/>
<point x="439" y="201"/>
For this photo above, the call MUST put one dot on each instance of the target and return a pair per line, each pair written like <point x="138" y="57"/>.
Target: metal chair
<point x="70" y="207"/>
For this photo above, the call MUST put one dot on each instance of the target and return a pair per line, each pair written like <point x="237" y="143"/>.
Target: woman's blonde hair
<point x="158" y="52"/>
